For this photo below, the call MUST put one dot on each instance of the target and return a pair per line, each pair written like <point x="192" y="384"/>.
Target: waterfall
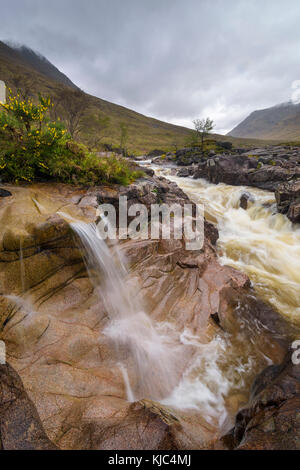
<point x="152" y="358"/>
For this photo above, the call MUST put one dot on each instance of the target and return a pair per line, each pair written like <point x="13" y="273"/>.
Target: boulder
<point x="272" y="419"/>
<point x="294" y="212"/>
<point x="185" y="172"/>
<point x="288" y="200"/>
<point x="245" y="199"/>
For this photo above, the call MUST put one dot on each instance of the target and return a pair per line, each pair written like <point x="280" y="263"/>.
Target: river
<point x="258" y="241"/>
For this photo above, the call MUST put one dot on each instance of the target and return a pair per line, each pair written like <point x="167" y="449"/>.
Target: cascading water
<point x="163" y="363"/>
<point x="259" y="241"/>
<point x="215" y="379"/>
<point x="151" y="356"/>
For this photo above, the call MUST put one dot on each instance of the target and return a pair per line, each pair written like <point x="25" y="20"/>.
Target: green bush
<point x="33" y="148"/>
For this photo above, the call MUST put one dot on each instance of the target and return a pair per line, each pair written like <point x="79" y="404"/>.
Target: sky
<point x="175" y="60"/>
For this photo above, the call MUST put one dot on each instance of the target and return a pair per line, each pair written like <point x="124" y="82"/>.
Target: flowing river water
<point x="215" y="380"/>
<point x="258" y="241"/>
<point x="266" y="246"/>
<point x="203" y="376"/>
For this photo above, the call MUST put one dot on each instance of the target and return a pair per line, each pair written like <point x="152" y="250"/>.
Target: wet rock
<point x="143" y="427"/>
<point x="148" y="171"/>
<point x="294" y="212"/>
<point x="155" y="153"/>
<point x="288" y="200"/>
<point x="239" y="305"/>
<point x="258" y="167"/>
<point x="5" y="193"/>
<point x="20" y="425"/>
<point x="53" y="321"/>
<point x="272" y="420"/>
<point x="244" y="200"/>
<point x="184" y="172"/>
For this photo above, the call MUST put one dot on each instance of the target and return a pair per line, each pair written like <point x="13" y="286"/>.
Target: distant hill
<point x="281" y="122"/>
<point x="20" y="65"/>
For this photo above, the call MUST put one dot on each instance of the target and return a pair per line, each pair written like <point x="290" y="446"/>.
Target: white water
<point x="266" y="246"/>
<point x="151" y="356"/>
<point x="259" y="241"/>
<point x="217" y="379"/>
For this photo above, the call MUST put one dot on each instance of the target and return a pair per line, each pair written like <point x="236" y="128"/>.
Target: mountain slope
<point x="278" y="122"/>
<point x="24" y="56"/>
<point x="21" y="67"/>
<point x="43" y="66"/>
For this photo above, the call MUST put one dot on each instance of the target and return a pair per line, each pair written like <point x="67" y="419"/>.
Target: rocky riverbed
<point x="64" y="386"/>
<point x="272" y="168"/>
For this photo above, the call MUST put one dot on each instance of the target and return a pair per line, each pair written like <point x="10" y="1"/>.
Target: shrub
<point x="34" y="148"/>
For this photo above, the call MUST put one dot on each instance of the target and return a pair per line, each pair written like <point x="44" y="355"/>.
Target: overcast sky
<point x="175" y="60"/>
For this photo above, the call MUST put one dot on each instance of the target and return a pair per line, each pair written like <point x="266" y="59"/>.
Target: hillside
<point x="21" y="58"/>
<point x="21" y="67"/>
<point x="281" y="122"/>
<point x="43" y="66"/>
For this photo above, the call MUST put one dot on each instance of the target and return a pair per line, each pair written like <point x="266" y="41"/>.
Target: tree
<point x="95" y="128"/>
<point x="203" y="127"/>
<point x="70" y="105"/>
<point x="123" y="137"/>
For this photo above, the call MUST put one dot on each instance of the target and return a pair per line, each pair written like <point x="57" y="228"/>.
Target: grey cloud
<point x="171" y="59"/>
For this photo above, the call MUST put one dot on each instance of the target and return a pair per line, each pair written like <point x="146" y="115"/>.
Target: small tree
<point x="203" y="127"/>
<point x="95" y="128"/>
<point x="70" y="105"/>
<point x="123" y="137"/>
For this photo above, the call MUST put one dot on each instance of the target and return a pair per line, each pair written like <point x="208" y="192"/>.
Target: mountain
<point x="42" y="65"/>
<point x="26" y="57"/>
<point x="21" y="67"/>
<point x="280" y="122"/>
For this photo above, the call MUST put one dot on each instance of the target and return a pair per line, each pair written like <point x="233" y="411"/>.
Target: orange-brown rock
<point x="53" y="321"/>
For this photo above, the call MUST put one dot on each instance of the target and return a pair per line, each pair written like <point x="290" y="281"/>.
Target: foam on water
<point x="259" y="241"/>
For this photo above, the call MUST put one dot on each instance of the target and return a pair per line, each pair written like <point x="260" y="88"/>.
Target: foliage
<point x="70" y="105"/>
<point x="203" y="127"/>
<point x="34" y="148"/>
<point x="124" y="136"/>
<point x="192" y="139"/>
<point x="93" y="170"/>
<point x="95" y="128"/>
